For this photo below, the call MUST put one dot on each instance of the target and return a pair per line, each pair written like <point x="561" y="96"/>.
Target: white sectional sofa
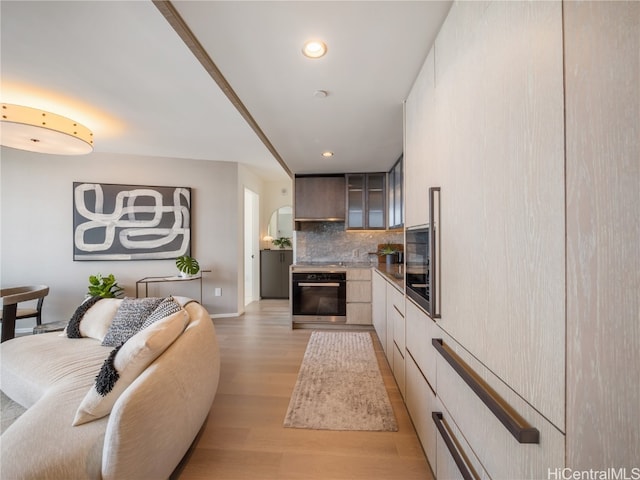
<point x="140" y="429"/>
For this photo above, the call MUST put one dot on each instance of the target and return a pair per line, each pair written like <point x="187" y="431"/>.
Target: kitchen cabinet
<point x="395" y="317"/>
<point x="319" y="198"/>
<point x="274" y="273"/>
<point x="539" y="219"/>
<point x="359" y="296"/>
<point x="395" y="210"/>
<point x="502" y="233"/>
<point x="366" y="205"/>
<point x="379" y="307"/>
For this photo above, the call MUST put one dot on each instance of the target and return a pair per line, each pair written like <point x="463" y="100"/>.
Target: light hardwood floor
<point x="244" y="437"/>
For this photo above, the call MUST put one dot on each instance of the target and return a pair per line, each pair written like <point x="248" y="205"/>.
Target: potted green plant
<point x="389" y="251"/>
<point x="106" y="287"/>
<point x="187" y="265"/>
<point x="282" y="242"/>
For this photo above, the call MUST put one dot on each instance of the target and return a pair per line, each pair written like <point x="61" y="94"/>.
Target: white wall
<point x="36" y="216"/>
<point x="276" y="194"/>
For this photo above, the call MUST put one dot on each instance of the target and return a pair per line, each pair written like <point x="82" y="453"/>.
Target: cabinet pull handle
<point x="398" y="310"/>
<point x="438" y="420"/>
<point x="434" y="262"/>
<point x="513" y="422"/>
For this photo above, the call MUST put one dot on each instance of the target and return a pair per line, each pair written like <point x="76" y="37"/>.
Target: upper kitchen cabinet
<point x="366" y="205"/>
<point x="395" y="211"/>
<point x="319" y="198"/>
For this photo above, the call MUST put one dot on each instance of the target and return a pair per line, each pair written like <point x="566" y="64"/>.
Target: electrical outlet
<point x="355" y="253"/>
<point x="217" y="292"/>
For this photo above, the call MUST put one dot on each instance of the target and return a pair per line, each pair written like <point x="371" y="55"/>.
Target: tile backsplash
<point x="330" y="242"/>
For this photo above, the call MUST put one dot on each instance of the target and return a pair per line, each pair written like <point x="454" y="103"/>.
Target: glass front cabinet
<point x="366" y="206"/>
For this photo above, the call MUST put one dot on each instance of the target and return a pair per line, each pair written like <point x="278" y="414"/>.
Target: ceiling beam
<point x="172" y="16"/>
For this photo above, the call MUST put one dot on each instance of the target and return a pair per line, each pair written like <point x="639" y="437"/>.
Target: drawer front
<point x="500" y="453"/>
<point x="358" y="274"/>
<point x="398" y="329"/>
<point x="359" y="313"/>
<point x="420" y="329"/>
<point x="399" y="369"/>
<point x="455" y="459"/>
<point x="395" y="314"/>
<point x="358" y="291"/>
<point x="395" y="297"/>
<point x="421" y="401"/>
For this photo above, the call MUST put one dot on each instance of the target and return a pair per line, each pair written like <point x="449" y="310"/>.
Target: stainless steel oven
<point x="422" y="253"/>
<point x="319" y="297"/>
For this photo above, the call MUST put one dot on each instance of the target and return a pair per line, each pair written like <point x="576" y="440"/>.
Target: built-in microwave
<point x="420" y="256"/>
<point x="417" y="253"/>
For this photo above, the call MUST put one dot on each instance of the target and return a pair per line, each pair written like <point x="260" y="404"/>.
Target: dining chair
<point x="11" y="297"/>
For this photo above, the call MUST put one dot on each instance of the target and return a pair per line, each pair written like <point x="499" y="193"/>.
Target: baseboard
<point x="225" y="315"/>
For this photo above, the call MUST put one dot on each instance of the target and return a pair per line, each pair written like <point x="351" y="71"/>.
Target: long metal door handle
<point x="302" y="284"/>
<point x="438" y="420"/>
<point x="512" y="421"/>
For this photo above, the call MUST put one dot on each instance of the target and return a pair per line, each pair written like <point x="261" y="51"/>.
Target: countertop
<point x="394" y="273"/>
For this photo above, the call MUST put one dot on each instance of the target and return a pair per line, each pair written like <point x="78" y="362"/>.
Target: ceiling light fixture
<point x="320" y="94"/>
<point x="35" y="130"/>
<point x="327" y="154"/>
<point x="314" y="49"/>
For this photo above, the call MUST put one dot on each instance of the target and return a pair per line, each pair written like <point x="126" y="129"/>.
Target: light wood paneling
<point x="602" y="45"/>
<point x="419" y="144"/>
<point x="244" y="437"/>
<point x="500" y="146"/>
<point x="501" y="454"/>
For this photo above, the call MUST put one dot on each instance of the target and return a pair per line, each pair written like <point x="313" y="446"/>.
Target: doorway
<point x="251" y="246"/>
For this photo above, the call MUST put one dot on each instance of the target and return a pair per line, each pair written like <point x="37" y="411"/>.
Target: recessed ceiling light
<point x="314" y="49"/>
<point x="327" y="154"/>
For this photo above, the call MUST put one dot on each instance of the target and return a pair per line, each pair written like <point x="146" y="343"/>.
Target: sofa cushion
<point x="34" y="364"/>
<point x="128" y="362"/>
<point x="129" y="318"/>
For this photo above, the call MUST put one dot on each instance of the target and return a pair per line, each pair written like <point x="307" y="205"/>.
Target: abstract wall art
<point x="130" y="222"/>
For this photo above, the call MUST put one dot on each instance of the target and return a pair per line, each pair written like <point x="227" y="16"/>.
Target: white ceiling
<point x="121" y="69"/>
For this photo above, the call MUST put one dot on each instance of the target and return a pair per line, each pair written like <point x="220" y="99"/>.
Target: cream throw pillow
<point x="96" y="322"/>
<point x="134" y="356"/>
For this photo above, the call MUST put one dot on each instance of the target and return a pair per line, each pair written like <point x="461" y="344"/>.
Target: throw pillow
<point x="129" y="318"/>
<point x="126" y="363"/>
<point x="93" y="318"/>
<point x="166" y="307"/>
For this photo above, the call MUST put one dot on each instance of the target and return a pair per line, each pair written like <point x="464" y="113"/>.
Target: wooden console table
<point x="147" y="280"/>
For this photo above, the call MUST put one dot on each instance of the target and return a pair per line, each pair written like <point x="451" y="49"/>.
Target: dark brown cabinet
<point x="319" y="198"/>
<point x="274" y="273"/>
<point x="366" y="206"/>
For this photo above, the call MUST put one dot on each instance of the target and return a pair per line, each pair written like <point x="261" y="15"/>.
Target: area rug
<point x="339" y="386"/>
<point x="11" y="411"/>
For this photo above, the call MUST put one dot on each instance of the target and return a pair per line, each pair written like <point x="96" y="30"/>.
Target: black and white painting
<point x="130" y="222"/>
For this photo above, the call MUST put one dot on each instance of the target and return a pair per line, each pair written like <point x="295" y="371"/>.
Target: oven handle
<point x="317" y="284"/>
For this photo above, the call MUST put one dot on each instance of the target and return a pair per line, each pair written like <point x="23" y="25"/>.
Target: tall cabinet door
<point x="496" y="150"/>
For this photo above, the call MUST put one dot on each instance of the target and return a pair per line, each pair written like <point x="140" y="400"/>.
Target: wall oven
<point x="319" y="297"/>
<point x="421" y="257"/>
